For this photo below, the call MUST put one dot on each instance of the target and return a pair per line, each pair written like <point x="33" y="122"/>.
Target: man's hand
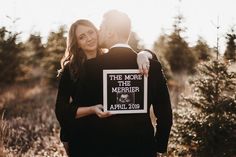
<point x="98" y="110"/>
<point x="143" y="62"/>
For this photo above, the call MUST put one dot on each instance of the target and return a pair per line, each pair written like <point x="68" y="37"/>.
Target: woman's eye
<point x="81" y="37"/>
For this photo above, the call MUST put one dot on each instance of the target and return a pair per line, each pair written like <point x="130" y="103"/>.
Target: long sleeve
<point x="63" y="102"/>
<point x="162" y="107"/>
<point x="154" y="57"/>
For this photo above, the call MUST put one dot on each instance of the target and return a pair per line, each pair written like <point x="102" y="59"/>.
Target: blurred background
<point x="194" y="40"/>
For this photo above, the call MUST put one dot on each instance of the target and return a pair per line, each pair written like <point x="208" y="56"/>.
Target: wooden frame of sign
<point x="124" y="91"/>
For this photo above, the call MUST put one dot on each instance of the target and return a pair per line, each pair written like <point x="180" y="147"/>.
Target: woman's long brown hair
<point x="76" y="56"/>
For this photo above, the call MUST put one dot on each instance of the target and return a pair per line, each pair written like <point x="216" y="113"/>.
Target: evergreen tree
<point x="206" y="122"/>
<point x="230" y="52"/>
<point x="55" y="49"/>
<point x="202" y="50"/>
<point x="32" y="57"/>
<point x="34" y="49"/>
<point x="178" y="53"/>
<point x="160" y="47"/>
<point x="10" y="56"/>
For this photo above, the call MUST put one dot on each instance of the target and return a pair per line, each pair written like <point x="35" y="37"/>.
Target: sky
<point x="150" y="18"/>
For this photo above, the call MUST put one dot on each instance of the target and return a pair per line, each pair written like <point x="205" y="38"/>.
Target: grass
<point x="28" y="126"/>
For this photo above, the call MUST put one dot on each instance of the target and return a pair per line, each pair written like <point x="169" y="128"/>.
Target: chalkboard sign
<point x="124" y="91"/>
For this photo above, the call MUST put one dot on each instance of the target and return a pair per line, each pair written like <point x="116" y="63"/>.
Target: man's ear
<point x="110" y="34"/>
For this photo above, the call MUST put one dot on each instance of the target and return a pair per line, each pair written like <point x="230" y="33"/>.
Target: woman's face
<point x="87" y="38"/>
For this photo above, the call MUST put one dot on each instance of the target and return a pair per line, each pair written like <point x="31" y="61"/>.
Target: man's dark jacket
<point x="124" y="133"/>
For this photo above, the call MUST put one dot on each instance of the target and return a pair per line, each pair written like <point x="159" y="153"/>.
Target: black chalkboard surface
<point x="124" y="91"/>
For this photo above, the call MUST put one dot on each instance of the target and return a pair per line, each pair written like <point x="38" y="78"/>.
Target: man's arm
<point x="161" y="105"/>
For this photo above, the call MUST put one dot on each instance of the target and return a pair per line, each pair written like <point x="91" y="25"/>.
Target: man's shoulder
<point x="155" y="68"/>
<point x="155" y="63"/>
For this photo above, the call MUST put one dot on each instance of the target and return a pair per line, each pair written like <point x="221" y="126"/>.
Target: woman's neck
<point x="91" y="54"/>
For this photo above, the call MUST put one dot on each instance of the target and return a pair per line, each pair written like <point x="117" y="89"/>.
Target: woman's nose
<point x="89" y="38"/>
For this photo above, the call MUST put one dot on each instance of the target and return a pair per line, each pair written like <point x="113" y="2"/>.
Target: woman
<point x="82" y="45"/>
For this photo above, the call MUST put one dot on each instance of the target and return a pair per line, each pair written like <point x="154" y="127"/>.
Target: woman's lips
<point x="92" y="43"/>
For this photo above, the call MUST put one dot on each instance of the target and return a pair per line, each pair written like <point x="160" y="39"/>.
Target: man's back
<point x="124" y="133"/>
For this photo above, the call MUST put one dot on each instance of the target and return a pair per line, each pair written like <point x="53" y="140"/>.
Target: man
<point x="125" y="135"/>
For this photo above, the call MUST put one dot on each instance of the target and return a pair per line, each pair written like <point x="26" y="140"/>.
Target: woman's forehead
<point x="83" y="29"/>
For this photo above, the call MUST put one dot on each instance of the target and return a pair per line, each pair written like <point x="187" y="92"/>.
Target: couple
<point x="89" y="131"/>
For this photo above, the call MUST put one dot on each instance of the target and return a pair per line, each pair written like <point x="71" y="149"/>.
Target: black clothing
<point x="64" y="107"/>
<point x="68" y="99"/>
<point x="127" y="133"/>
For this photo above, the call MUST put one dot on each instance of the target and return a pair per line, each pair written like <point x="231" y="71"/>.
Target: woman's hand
<point x="98" y="110"/>
<point x="143" y="62"/>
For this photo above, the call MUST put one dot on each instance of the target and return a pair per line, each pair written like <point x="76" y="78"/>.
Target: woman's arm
<point x="62" y="102"/>
<point x="96" y="109"/>
<point x="143" y="60"/>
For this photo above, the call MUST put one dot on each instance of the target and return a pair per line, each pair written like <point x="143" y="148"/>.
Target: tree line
<point x="204" y="123"/>
<point x="18" y="58"/>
